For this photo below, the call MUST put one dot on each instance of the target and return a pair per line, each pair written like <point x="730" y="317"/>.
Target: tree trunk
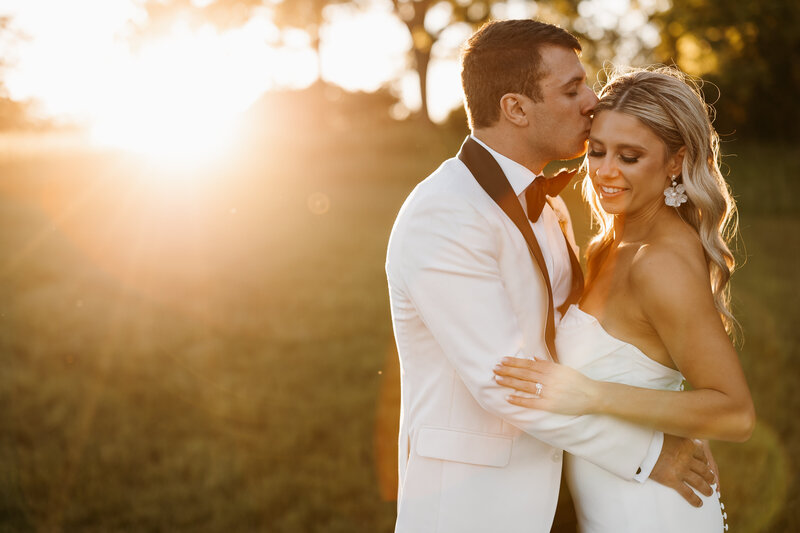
<point x="422" y="60"/>
<point x="315" y="45"/>
<point x="413" y="15"/>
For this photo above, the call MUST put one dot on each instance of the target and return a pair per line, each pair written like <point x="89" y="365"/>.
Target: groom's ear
<point x="512" y="108"/>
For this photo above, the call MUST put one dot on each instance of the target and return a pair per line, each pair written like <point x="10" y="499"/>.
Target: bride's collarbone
<point x="611" y="300"/>
<point x="609" y="291"/>
<point x="615" y="307"/>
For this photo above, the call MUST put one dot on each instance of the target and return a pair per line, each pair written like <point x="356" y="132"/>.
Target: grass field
<point x="212" y="350"/>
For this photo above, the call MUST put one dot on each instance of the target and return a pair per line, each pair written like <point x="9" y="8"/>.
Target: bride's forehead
<point x="616" y="121"/>
<point x="614" y="127"/>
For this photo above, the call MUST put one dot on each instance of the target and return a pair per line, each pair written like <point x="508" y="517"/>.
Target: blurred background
<point x="195" y="200"/>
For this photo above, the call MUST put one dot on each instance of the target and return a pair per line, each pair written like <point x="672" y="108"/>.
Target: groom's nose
<point x="589" y="100"/>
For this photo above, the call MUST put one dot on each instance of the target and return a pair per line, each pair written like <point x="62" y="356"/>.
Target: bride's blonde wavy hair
<point x="670" y="103"/>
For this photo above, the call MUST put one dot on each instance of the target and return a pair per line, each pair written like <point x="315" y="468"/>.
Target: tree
<point x="424" y="29"/>
<point x="13" y="114"/>
<point x="306" y="15"/>
<point x="750" y="51"/>
<point x="413" y="14"/>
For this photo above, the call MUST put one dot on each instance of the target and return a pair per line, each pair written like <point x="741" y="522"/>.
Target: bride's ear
<point x="675" y="163"/>
<point x="512" y="108"/>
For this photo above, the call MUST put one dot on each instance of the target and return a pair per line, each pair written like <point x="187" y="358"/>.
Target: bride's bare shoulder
<point x="671" y="260"/>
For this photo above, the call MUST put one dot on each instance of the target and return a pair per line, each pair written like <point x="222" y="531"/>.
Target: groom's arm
<point x="446" y="258"/>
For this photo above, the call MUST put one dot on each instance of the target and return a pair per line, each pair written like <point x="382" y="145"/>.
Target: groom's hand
<point x="683" y="465"/>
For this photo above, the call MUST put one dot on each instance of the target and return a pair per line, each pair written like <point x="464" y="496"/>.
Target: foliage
<point x="424" y="35"/>
<point x="289" y="115"/>
<point x="162" y="14"/>
<point x="306" y="15"/>
<point x="414" y="14"/>
<point x="14" y="115"/>
<point x="750" y="51"/>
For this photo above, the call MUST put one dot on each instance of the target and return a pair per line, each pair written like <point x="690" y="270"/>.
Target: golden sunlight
<point x="179" y="96"/>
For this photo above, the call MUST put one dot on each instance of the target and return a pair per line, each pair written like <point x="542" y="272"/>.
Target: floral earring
<point x="676" y="194"/>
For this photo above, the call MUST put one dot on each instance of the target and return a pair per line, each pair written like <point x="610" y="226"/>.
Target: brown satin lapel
<point x="577" y="282"/>
<point x="487" y="172"/>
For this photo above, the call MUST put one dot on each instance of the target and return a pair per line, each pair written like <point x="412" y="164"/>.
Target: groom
<point x="478" y="268"/>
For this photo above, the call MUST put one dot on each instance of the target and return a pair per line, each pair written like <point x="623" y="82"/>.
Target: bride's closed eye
<point x="625" y="159"/>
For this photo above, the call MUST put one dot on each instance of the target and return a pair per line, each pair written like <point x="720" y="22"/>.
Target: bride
<point x="655" y="311"/>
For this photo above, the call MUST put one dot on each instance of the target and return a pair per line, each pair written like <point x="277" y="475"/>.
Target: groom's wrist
<point x="650" y="460"/>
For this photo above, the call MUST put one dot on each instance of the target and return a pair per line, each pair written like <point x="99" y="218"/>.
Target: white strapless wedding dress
<point x="604" y="502"/>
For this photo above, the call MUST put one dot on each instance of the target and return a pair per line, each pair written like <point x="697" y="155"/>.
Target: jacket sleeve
<point x="446" y="258"/>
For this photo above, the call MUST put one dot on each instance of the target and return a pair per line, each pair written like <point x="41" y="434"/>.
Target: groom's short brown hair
<point x="504" y="57"/>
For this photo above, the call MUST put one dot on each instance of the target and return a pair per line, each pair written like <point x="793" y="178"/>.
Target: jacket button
<point x="556" y="456"/>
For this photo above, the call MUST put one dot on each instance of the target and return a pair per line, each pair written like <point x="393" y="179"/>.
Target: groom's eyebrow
<point x="575" y="79"/>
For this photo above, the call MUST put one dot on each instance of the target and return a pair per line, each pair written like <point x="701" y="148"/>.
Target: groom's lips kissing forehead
<point x="588" y="127"/>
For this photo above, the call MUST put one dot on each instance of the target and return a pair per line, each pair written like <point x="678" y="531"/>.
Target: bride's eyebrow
<point x="632" y="147"/>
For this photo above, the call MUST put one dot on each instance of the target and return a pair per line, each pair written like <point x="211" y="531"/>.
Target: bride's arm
<point x="677" y="301"/>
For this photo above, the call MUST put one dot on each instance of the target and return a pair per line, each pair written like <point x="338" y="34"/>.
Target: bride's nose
<point x="606" y="167"/>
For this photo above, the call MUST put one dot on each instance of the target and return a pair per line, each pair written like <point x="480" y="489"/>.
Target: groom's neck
<point x="511" y="144"/>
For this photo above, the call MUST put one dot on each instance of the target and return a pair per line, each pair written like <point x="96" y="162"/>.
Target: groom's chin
<point x="579" y="151"/>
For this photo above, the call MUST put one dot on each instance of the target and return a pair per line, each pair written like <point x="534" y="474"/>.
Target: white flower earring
<point x="676" y="194"/>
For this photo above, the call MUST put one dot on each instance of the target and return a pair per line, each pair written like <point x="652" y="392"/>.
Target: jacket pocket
<point x="461" y="446"/>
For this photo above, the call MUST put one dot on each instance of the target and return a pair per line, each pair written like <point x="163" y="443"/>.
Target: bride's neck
<point x="635" y="227"/>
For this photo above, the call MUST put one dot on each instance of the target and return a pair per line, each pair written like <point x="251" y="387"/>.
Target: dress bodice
<point x="604" y="502"/>
<point x="583" y="343"/>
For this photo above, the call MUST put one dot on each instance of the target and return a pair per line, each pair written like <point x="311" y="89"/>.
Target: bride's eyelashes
<point x="624" y="158"/>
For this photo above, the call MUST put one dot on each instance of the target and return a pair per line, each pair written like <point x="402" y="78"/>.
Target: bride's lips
<point x="607" y="191"/>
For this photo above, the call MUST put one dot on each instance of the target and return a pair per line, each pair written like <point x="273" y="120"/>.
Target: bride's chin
<point x="611" y="208"/>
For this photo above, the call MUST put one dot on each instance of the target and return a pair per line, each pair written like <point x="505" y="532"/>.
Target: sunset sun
<point x="178" y="97"/>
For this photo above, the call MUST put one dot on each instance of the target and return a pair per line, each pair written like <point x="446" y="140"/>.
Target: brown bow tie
<point x="537" y="192"/>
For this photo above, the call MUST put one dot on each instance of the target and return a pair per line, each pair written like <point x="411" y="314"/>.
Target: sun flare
<point x="179" y="97"/>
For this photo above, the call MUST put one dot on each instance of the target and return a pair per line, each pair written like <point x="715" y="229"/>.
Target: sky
<point x="76" y="59"/>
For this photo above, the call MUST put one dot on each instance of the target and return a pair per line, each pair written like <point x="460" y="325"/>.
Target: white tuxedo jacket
<point x="465" y="292"/>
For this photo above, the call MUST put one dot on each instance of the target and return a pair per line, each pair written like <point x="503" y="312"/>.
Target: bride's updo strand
<point x="672" y="106"/>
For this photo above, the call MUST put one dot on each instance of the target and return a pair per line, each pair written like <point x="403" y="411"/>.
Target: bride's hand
<point x="563" y="389"/>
